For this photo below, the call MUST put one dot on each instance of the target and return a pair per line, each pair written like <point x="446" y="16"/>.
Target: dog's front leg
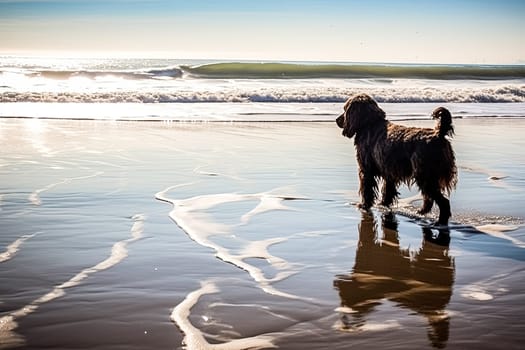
<point x="367" y="189"/>
<point x="389" y="193"/>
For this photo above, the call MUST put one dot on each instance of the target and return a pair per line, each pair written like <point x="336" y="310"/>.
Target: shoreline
<point x="245" y="111"/>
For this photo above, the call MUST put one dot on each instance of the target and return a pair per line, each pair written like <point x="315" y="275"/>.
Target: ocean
<point x="193" y="204"/>
<point x="189" y="90"/>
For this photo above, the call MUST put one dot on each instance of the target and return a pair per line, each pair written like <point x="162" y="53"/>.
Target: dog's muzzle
<point x="340" y="120"/>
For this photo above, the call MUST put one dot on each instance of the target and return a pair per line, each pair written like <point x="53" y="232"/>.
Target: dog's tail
<point x="444" y="126"/>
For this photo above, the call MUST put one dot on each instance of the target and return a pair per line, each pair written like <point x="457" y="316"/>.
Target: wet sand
<point x="143" y="235"/>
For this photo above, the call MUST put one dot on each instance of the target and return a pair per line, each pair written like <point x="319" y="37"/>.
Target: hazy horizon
<point x="378" y="31"/>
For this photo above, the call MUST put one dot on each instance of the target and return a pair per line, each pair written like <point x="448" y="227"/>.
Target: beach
<point x="173" y="175"/>
<point x="162" y="234"/>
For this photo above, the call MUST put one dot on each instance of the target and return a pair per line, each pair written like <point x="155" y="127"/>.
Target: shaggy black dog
<point x="399" y="154"/>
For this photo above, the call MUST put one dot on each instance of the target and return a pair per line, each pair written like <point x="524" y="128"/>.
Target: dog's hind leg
<point x="389" y="193"/>
<point x="431" y="192"/>
<point x="444" y="208"/>
<point x="428" y="202"/>
<point x="443" y="204"/>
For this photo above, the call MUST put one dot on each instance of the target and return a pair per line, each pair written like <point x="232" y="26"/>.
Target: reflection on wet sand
<point x="417" y="280"/>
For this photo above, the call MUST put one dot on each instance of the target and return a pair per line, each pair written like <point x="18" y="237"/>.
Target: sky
<point x="403" y="31"/>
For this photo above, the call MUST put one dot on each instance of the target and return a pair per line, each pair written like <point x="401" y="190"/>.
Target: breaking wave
<point x="354" y="71"/>
<point x="287" y="93"/>
<point x="274" y="70"/>
<point x="148" y="74"/>
<point x="174" y="81"/>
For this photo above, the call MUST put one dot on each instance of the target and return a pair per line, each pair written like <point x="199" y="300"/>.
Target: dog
<point x="398" y="154"/>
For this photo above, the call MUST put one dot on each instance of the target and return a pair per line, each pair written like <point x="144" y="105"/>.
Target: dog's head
<point x="360" y="112"/>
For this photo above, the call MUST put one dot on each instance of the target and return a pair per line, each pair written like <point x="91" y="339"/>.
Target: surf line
<point x="189" y="216"/>
<point x="118" y="252"/>
<point x="14" y="247"/>
<point x="490" y="287"/>
<point x="34" y="197"/>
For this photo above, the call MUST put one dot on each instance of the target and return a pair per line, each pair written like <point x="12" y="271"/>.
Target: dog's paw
<point x="364" y="207"/>
<point x="385" y="206"/>
<point x="423" y="211"/>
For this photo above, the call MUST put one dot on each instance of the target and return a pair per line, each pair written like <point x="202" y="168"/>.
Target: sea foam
<point x="14" y="247"/>
<point x="194" y="338"/>
<point x="189" y="214"/>
<point x="267" y="92"/>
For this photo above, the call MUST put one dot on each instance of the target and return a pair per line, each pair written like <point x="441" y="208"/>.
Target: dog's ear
<point x="345" y="122"/>
<point x="362" y="112"/>
<point x="370" y="111"/>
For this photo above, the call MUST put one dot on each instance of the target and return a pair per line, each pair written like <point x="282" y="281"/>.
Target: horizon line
<point x="168" y="56"/>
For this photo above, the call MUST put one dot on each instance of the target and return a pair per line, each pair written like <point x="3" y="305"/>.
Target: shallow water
<point x="149" y="236"/>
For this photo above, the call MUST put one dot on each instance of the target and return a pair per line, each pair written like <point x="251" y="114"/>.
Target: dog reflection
<point x="420" y="281"/>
